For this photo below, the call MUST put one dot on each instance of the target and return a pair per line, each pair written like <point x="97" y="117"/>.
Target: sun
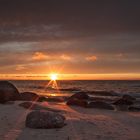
<point x="53" y="77"/>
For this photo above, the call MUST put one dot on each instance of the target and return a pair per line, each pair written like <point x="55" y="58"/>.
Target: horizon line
<point x="110" y="76"/>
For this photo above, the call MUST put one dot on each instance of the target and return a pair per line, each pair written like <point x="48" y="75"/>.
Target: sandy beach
<point x="69" y="69"/>
<point x="81" y="124"/>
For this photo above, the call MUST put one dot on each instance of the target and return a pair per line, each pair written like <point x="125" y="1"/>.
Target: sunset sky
<point x="80" y="39"/>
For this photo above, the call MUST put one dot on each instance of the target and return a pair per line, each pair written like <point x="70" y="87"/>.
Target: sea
<point x="69" y="87"/>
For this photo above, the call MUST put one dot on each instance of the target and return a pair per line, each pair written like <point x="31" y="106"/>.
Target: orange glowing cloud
<point x="20" y="67"/>
<point x="39" y="56"/>
<point x="65" y="57"/>
<point x="91" y="58"/>
<point x="120" y="55"/>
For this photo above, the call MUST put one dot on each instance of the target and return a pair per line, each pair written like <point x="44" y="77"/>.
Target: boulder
<point x="8" y="92"/>
<point x="44" y="120"/>
<point x="29" y="96"/>
<point x="2" y="97"/>
<point x="122" y="107"/>
<point x="78" y="99"/>
<point x="123" y="102"/>
<point x="104" y="93"/>
<point x="134" y="108"/>
<point x="77" y="102"/>
<point x="128" y="97"/>
<point x="80" y="96"/>
<point x="42" y="99"/>
<point x="100" y="105"/>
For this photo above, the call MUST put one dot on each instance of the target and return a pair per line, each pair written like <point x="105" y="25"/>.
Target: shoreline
<point x="86" y="117"/>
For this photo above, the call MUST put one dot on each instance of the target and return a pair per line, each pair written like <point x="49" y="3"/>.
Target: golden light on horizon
<point x="53" y="76"/>
<point x="111" y="76"/>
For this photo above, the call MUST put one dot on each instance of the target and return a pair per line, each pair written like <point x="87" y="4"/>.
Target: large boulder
<point x="42" y="99"/>
<point x="29" y="96"/>
<point x="77" y="102"/>
<point x="44" y="120"/>
<point x="128" y="97"/>
<point x="100" y="105"/>
<point x="134" y="108"/>
<point x="8" y="92"/>
<point x="104" y="93"/>
<point x="80" y="96"/>
<point x="78" y="99"/>
<point x="123" y="101"/>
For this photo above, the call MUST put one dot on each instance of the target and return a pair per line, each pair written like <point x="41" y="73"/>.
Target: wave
<point x="36" y="87"/>
<point x="70" y="89"/>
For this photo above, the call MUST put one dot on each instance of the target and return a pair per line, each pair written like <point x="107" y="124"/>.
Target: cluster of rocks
<point x="83" y="100"/>
<point x="124" y="103"/>
<point x="42" y="117"/>
<point x="51" y="118"/>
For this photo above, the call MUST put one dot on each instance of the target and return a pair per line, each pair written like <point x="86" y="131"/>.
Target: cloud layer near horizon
<point x="76" y="36"/>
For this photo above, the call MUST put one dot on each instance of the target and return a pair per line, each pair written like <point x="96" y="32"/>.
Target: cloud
<point x="48" y="33"/>
<point x="52" y="57"/>
<point x="39" y="56"/>
<point x="20" y="67"/>
<point x="30" y="33"/>
<point x="91" y="58"/>
<point x="49" y="19"/>
<point x="120" y="55"/>
<point x="65" y="57"/>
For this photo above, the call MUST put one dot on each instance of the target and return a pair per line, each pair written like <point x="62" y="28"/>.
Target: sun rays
<point x="53" y="83"/>
<point x="54" y="76"/>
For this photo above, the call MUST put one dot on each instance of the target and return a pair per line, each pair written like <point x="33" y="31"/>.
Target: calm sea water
<point x="69" y="87"/>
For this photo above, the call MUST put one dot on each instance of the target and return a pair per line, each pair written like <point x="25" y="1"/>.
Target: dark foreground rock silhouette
<point x="134" y="108"/>
<point x="100" y="105"/>
<point x="8" y="92"/>
<point x="29" y="96"/>
<point x="123" y="102"/>
<point x="78" y="99"/>
<point x="80" y="96"/>
<point x="77" y="102"/>
<point x="44" y="120"/>
<point x="128" y="97"/>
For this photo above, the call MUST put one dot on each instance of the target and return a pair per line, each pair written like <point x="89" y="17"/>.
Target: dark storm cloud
<point x="75" y="18"/>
